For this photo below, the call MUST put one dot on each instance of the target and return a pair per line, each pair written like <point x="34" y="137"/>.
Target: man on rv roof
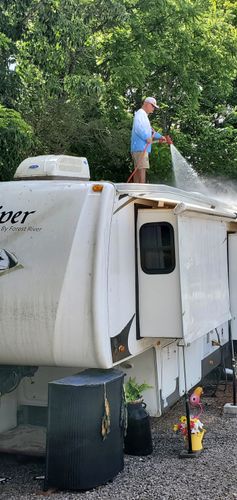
<point x="142" y="138"/>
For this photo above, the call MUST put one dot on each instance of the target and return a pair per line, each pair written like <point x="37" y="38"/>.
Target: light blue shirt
<point x="141" y="131"/>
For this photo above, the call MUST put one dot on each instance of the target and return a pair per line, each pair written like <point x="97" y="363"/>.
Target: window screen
<point x="157" y="248"/>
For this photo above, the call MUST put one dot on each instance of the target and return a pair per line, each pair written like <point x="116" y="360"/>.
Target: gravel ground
<point x="160" y="476"/>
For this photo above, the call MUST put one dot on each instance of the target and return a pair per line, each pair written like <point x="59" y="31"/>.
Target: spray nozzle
<point x="168" y="139"/>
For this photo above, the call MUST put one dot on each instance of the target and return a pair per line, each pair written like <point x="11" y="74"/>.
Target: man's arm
<point x="157" y="136"/>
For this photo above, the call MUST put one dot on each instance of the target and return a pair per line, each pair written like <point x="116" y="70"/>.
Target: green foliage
<point x="66" y="129"/>
<point x="76" y="71"/>
<point x="217" y="152"/>
<point x="16" y="142"/>
<point x="231" y="119"/>
<point x="160" y="171"/>
<point x="210" y="148"/>
<point x="8" y="79"/>
<point x="133" y="390"/>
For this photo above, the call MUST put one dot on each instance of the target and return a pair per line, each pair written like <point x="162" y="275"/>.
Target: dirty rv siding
<point x="58" y="251"/>
<point x="84" y="231"/>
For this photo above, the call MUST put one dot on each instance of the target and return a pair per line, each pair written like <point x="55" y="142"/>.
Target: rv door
<point x="158" y="288"/>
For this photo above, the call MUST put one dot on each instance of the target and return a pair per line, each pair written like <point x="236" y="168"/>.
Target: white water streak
<point x="186" y="178"/>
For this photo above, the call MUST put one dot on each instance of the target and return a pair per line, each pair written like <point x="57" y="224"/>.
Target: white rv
<point x="97" y="275"/>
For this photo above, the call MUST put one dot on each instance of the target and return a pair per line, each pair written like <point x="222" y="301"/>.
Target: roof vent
<point x="53" y="167"/>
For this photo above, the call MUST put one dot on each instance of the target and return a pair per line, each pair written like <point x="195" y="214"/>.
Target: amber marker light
<point x="97" y="188"/>
<point x="121" y="348"/>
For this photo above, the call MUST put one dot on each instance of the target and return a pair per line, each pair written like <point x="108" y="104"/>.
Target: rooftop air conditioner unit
<point x="53" y="167"/>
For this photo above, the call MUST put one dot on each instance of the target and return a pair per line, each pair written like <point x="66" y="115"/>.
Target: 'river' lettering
<point x="14" y="217"/>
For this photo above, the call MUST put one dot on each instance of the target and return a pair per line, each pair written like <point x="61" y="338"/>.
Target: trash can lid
<point x="90" y="377"/>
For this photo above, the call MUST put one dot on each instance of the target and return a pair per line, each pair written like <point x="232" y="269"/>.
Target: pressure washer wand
<point x="167" y="139"/>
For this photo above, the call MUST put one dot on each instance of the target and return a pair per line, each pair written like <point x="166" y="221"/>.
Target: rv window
<point x="157" y="248"/>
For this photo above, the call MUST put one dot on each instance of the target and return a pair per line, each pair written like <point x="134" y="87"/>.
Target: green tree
<point x="211" y="149"/>
<point x="82" y="68"/>
<point x="16" y="142"/>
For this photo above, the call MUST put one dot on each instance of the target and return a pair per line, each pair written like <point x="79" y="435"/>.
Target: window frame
<point x="169" y="269"/>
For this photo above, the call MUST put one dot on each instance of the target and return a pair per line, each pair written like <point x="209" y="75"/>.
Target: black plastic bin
<point x="77" y="456"/>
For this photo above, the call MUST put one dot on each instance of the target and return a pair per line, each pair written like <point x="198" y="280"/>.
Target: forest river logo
<point x="17" y="221"/>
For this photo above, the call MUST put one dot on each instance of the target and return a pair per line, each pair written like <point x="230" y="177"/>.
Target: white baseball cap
<point x="152" y="101"/>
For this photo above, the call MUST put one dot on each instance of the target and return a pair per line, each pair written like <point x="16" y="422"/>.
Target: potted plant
<point x="133" y="390"/>
<point x="137" y="439"/>
<point x="197" y="431"/>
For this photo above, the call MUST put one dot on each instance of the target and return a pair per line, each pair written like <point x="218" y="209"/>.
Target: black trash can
<point x="85" y="430"/>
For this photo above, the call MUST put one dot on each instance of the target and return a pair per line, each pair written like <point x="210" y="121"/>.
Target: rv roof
<point x="172" y="195"/>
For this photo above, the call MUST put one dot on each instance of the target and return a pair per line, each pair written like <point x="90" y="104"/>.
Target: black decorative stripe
<point x="121" y="196"/>
<point x="119" y="343"/>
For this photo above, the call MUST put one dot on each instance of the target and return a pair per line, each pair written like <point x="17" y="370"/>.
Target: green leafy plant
<point x="133" y="390"/>
<point x="17" y="141"/>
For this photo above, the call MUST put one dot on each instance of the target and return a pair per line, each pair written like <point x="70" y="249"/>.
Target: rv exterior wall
<point x="190" y="301"/>
<point x="232" y="246"/>
<point x="73" y="286"/>
<point x="128" y="326"/>
<point x="203" y="274"/>
<point x="49" y="302"/>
